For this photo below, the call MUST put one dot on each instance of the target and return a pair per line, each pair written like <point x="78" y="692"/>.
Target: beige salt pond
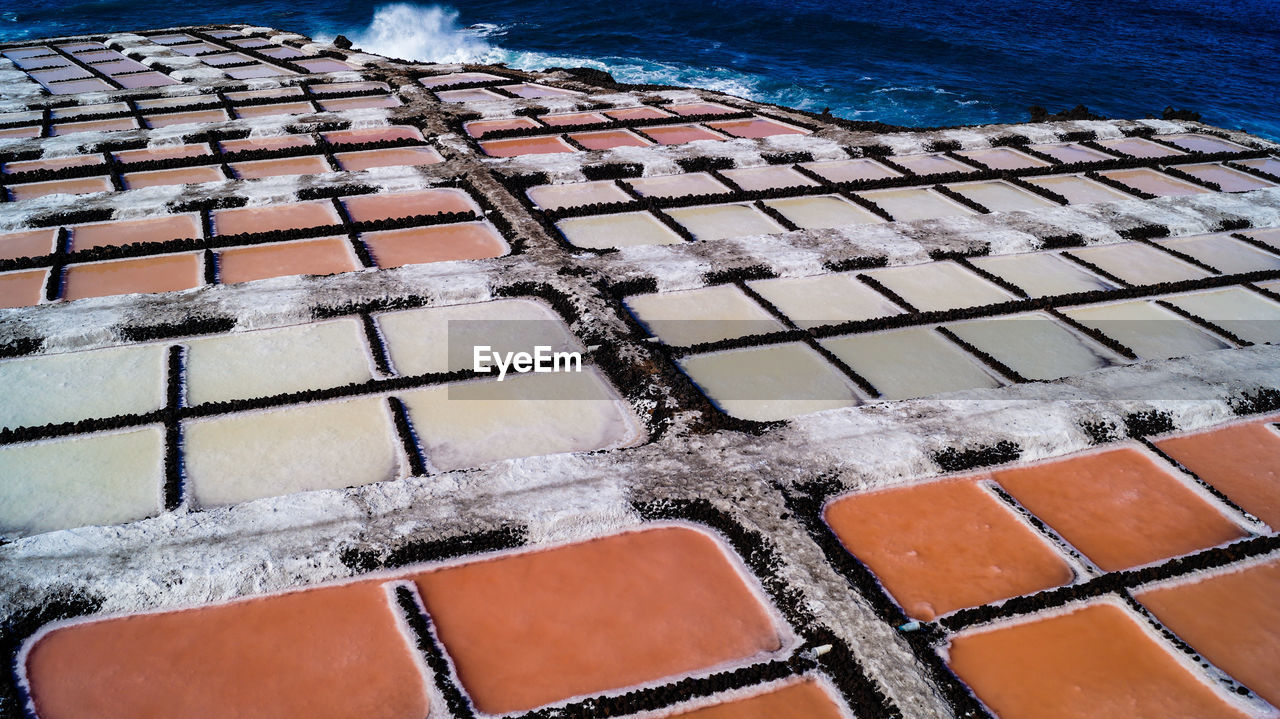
<point x="770" y="177"/>
<point x="756" y="127"/>
<point x="1095" y="660"/>
<point x="916" y="203"/>
<point x="186" y="118"/>
<point x="1155" y="183"/>
<point x="624" y="229"/>
<point x="697" y="183"/>
<point x="89" y="384"/>
<point x="823" y="212"/>
<point x="1000" y="196"/>
<point x="573" y="118"/>
<point x="911" y="362"/>
<point x="1138" y="147"/>
<point x="78" y="186"/>
<point x="1148" y="329"/>
<point x="529" y="629"/>
<point x="824" y="299"/>
<point x="1003" y="158"/>
<point x="94" y="479"/>
<point x="555" y="197"/>
<point x="477" y="94"/>
<point x="1079" y="190"/>
<point x="944" y="545"/>
<point x="718" y="222"/>
<point x="770" y="383"/>
<point x="1223" y="252"/>
<point x="1248" y="315"/>
<point x="709" y="314"/>
<point x="476" y="423"/>
<point x="1034" y="345"/>
<point x="324" y="256"/>
<point x="1071" y="153"/>
<point x="931" y="164"/>
<point x="1203" y="143"/>
<point x="851" y="170"/>
<point x="940" y="286"/>
<point x="1042" y="274"/>
<point x="1139" y="264"/>
<point x="1228" y="179"/>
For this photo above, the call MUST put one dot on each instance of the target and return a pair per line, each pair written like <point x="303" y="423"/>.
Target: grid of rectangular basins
<point x="201" y="109"/>
<point x="112" y="435"/>
<point x="770" y="349"/>
<point x="772" y="199"/>
<point x="80" y="67"/>
<point x="631" y="619"/>
<point x="177" y="252"/>
<point x="633" y="126"/>
<point x="1136" y="579"/>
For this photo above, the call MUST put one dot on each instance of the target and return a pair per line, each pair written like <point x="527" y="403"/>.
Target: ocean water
<point x="905" y="62"/>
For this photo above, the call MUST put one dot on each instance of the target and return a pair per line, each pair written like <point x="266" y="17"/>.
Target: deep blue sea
<point x="910" y="62"/>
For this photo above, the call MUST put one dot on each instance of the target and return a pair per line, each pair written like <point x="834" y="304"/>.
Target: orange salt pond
<point x="944" y="545"/>
<point x="1231" y="617"/>
<point x="534" y="628"/>
<point x="308" y="257"/>
<point x="1095" y="661"/>
<point x="387" y="157"/>
<point x="1241" y="461"/>
<point x="332" y="652"/>
<point x="478" y="128"/>
<point x="372" y="134"/>
<point x="79" y="186"/>
<point x="22" y="289"/>
<point x="800" y="700"/>
<point x="31" y="243"/>
<point x="607" y="139"/>
<point x="296" y="215"/>
<point x="166" y="273"/>
<point x="437" y="243"/>
<point x="305" y="165"/>
<point x="680" y="134"/>
<point x="525" y="146"/>
<point x="125" y="232"/>
<point x="179" y="176"/>
<point x="278" y="142"/>
<point x="1119" y="507"/>
<point x="382" y="206"/>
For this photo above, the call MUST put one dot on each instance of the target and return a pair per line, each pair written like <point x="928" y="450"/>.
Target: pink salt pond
<point x="73" y="87"/>
<point x="54" y="163"/>
<point x="372" y="134"/>
<point x="458" y="78"/>
<point x="164" y="273"/>
<point x="608" y="139"/>
<point x="554" y="197"/>
<point x="1139" y="147"/>
<point x="1204" y="143"/>
<point x="771" y="177"/>
<point x="125" y="232"/>
<point x="177" y="176"/>
<point x="1003" y="158"/>
<point x="186" y="118"/>
<point x="851" y="170"/>
<point x="305" y="165"/>
<point x="32" y="243"/>
<point x="475" y="94"/>
<point x="756" y="127"/>
<point x="516" y="146"/>
<point x="680" y="134"/>
<point x="478" y="128"/>
<point x="1153" y="182"/>
<point x="339" y="104"/>
<point x="387" y="157"/>
<point x="281" y="108"/>
<point x="573" y="119"/>
<point x="931" y="164"/>
<point x="435" y="243"/>
<point x="945" y="545"/>
<point x="643" y="112"/>
<point x="325" y="256"/>
<point x="278" y="142"/>
<point x="78" y="186"/>
<point x="116" y="123"/>
<point x="267" y="218"/>
<point x="533" y="90"/>
<point x="161" y="152"/>
<point x="1071" y="153"/>
<point x="701" y="108"/>
<point x="1228" y="179"/>
<point x="384" y="206"/>
<point x="529" y="629"/>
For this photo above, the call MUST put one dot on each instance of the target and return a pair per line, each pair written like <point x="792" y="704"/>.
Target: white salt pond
<point x="1042" y="274"/>
<point x="709" y="314"/>
<point x="916" y="203"/>
<point x="1247" y="315"/>
<point x="850" y="170"/>
<point x="82" y="385"/>
<point x="824" y="299"/>
<point x="694" y="183"/>
<point x="911" y="362"/>
<point x="940" y="286"/>
<point x="1139" y="264"/>
<point x="999" y="196"/>
<point x="624" y="229"/>
<point x="770" y="177"/>
<point x="555" y="197"/>
<point x="1223" y="252"/>
<point x="1079" y="190"/>
<point x="770" y="383"/>
<point x="1151" y="331"/>
<point x="1153" y="182"/>
<point x="1034" y="345"/>
<point x="1003" y="158"/>
<point x="823" y="211"/>
<point x="717" y="222"/>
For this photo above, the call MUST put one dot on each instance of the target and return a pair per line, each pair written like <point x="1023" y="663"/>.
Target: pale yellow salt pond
<point x="717" y="222"/>
<point x="1151" y="331"/>
<point x="323" y="445"/>
<point x="824" y="211"/>
<point x="771" y="177"/>
<point x="694" y="183"/>
<point x="911" y="362"/>
<point x="441" y="339"/>
<point x="95" y="479"/>
<point x="916" y="203"/>
<point x="770" y="383"/>
<point x="242" y="365"/>
<point x="1223" y="253"/>
<point x="625" y="229"/>
<point x="708" y="314"/>
<point x="82" y="385"/>
<point x="1139" y="264"/>
<point x="940" y="286"/>
<point x="999" y="196"/>
<point x="1245" y="314"/>
<point x="555" y="197"/>
<point x="851" y="170"/>
<point x="1034" y="345"/>
<point x="470" y="424"/>
<point x="1079" y="190"/>
<point x="1228" y="179"/>
<point x="824" y="299"/>
<point x="1042" y="274"/>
